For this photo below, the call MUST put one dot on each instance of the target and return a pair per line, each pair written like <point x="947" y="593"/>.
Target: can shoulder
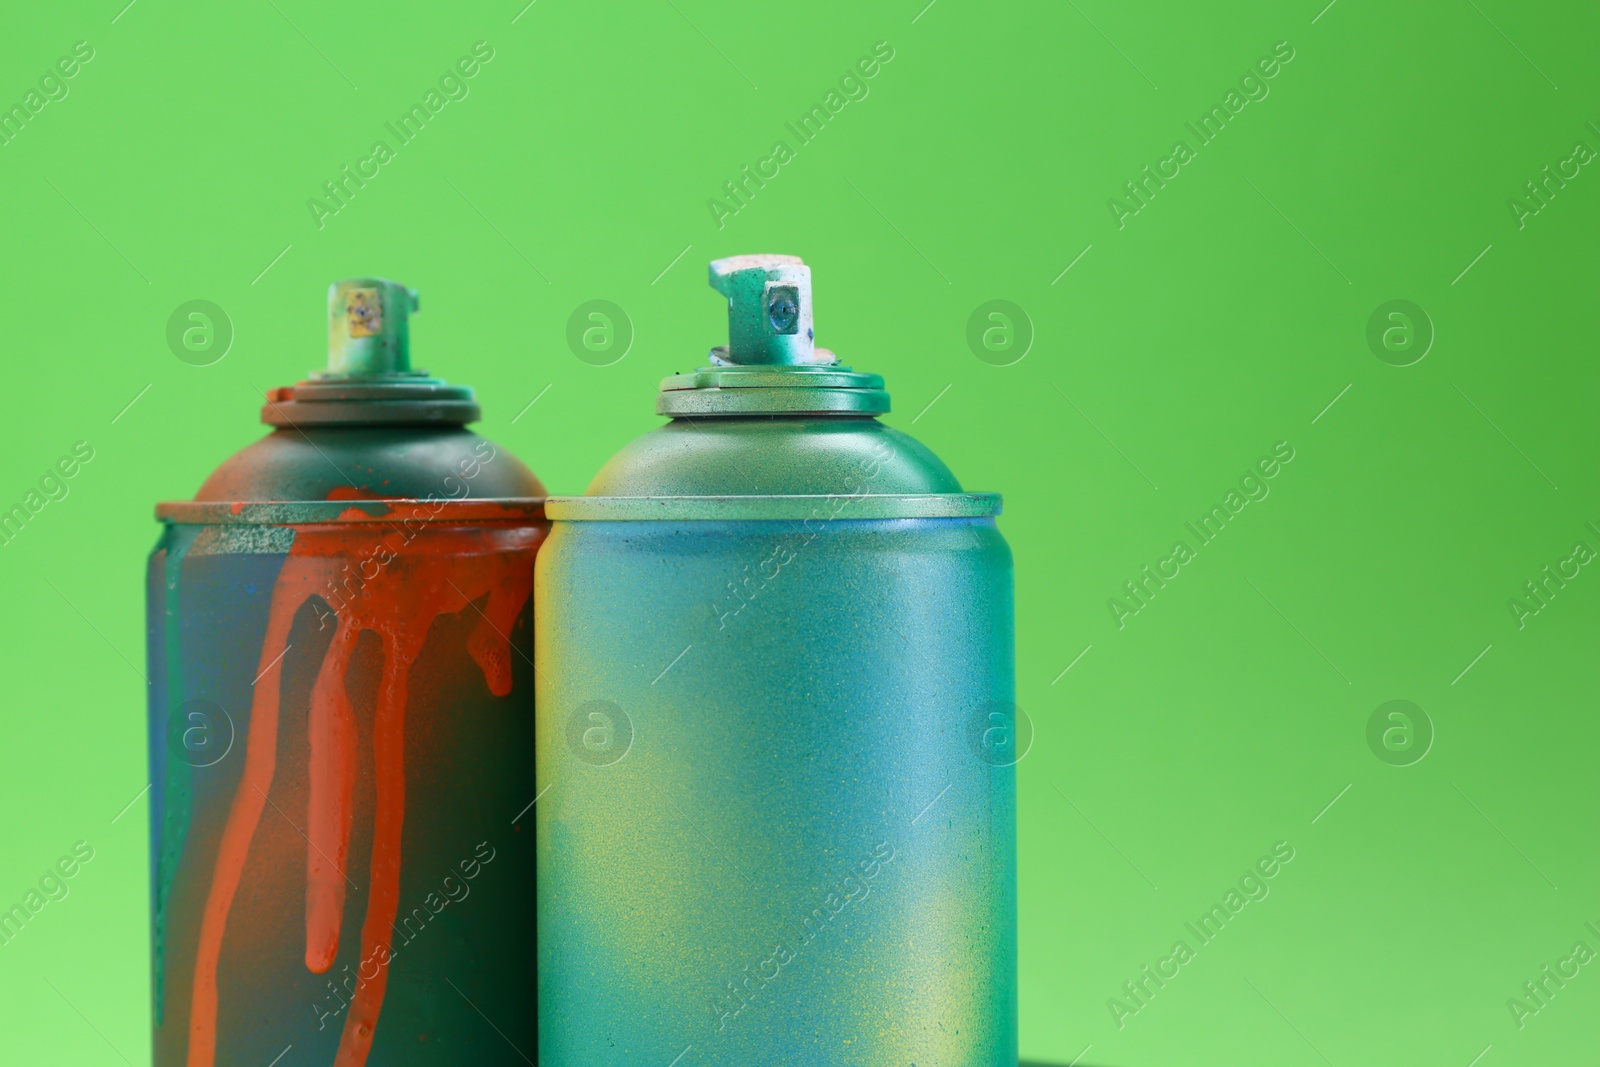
<point x="313" y="463"/>
<point x="774" y="455"/>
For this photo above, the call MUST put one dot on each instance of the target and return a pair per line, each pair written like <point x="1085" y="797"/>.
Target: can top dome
<point x="771" y="364"/>
<point x="791" y="433"/>
<point x="369" y="431"/>
<point x="369" y="380"/>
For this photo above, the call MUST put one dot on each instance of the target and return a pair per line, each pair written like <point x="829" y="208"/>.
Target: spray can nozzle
<point x="369" y="380"/>
<point x="369" y="327"/>
<point x="769" y="312"/>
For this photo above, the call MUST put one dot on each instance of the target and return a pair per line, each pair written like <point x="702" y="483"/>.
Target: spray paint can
<point x="341" y="726"/>
<point x="776" y="732"/>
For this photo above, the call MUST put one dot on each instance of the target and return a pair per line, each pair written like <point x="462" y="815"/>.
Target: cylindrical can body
<point x="774" y="825"/>
<point x="341" y="729"/>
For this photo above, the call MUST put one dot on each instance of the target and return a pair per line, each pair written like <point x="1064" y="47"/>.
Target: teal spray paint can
<point x="775" y="730"/>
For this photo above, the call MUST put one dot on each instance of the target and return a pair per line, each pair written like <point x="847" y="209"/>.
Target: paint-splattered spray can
<point x="776" y="732"/>
<point x="341" y="726"/>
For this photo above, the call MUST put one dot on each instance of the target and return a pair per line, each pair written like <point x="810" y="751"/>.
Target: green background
<point x="1225" y="317"/>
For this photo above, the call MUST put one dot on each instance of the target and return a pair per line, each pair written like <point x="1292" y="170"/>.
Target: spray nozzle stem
<point x="369" y="327"/>
<point x="769" y="310"/>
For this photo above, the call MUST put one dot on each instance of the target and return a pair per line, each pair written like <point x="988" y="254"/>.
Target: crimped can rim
<point x="304" y="512"/>
<point x="809" y="506"/>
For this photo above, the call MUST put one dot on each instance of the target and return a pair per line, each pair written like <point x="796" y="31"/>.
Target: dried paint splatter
<point x="418" y="577"/>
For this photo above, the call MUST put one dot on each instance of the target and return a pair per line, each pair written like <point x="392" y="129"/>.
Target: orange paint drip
<point x="295" y="583"/>
<point x="333" y="779"/>
<point x="361" y="1024"/>
<point x="393" y="580"/>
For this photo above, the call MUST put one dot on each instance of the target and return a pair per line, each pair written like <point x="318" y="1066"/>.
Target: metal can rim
<point x="772" y="400"/>
<point x="810" y="506"/>
<point x="302" y="512"/>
